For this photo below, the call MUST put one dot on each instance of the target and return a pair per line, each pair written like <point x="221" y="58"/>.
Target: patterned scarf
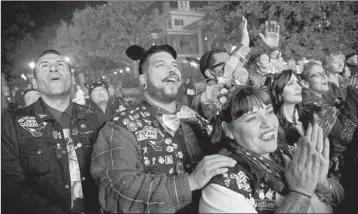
<point x="264" y="172"/>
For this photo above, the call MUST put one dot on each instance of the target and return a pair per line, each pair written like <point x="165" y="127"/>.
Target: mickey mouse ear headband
<point x="136" y="52"/>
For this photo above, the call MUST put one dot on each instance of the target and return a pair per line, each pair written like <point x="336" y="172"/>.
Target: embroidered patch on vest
<point x="31" y="125"/>
<point x="149" y="133"/>
<point x="75" y="131"/>
<point x="265" y="204"/>
<point x="132" y="126"/>
<point x="42" y="115"/>
<point x="85" y="110"/>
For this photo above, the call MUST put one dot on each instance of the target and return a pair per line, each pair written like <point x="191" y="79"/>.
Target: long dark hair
<point x="275" y="86"/>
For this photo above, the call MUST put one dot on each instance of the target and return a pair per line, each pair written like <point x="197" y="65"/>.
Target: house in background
<point x="180" y="26"/>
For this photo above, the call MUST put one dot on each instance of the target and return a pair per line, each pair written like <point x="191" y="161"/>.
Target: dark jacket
<point x="111" y="108"/>
<point x="34" y="160"/>
<point x="341" y="134"/>
<point x="288" y="132"/>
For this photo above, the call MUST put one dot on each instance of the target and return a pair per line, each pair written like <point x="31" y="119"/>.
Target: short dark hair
<point x="136" y="52"/>
<point x="49" y="51"/>
<point x="245" y="99"/>
<point x="207" y="60"/>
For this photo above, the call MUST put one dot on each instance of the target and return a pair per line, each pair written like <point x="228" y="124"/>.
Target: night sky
<point x="43" y="13"/>
<point x="46" y="13"/>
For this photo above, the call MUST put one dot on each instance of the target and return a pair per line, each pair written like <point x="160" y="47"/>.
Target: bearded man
<point x="148" y="158"/>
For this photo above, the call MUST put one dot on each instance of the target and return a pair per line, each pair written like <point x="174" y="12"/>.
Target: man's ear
<point x="226" y="129"/>
<point x="209" y="74"/>
<point x="304" y="84"/>
<point x="143" y="79"/>
<point x="34" y="84"/>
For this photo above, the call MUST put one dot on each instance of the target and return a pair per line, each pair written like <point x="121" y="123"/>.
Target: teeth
<point x="267" y="135"/>
<point x="173" y="80"/>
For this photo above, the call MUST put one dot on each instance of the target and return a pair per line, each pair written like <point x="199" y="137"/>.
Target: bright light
<point x="115" y="72"/>
<point x="153" y="44"/>
<point x="121" y="71"/>
<point x="32" y="65"/>
<point x="127" y="69"/>
<point x="67" y="59"/>
<point x="103" y="77"/>
<point x="23" y="76"/>
<point x="195" y="65"/>
<point x="206" y="38"/>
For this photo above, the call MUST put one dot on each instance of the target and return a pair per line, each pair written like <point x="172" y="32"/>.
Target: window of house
<point x="184" y="45"/>
<point x="178" y="22"/>
<point x="181" y="4"/>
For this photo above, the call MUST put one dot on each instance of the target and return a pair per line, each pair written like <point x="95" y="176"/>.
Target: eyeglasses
<point x="319" y="74"/>
<point x="217" y="65"/>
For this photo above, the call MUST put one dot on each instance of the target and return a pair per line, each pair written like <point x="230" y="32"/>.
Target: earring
<point x="230" y="136"/>
<point x="34" y="86"/>
<point x="144" y="85"/>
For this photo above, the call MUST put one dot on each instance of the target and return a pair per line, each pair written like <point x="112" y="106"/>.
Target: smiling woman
<point x="259" y="182"/>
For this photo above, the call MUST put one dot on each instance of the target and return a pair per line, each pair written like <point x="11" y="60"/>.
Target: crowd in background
<point x="262" y="137"/>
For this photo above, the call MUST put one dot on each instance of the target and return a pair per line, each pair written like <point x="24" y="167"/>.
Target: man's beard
<point x="160" y="94"/>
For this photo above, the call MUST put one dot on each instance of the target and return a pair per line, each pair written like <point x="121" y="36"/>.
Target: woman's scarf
<point x="255" y="177"/>
<point x="263" y="170"/>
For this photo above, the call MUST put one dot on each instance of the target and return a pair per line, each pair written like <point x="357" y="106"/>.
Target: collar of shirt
<point x="63" y="118"/>
<point x="156" y="111"/>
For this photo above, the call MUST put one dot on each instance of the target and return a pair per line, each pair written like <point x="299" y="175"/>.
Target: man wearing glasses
<point x="212" y="66"/>
<point x="214" y="63"/>
<point x="315" y="85"/>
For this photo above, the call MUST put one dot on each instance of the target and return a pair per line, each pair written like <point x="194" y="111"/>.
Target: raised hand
<point x="272" y="34"/>
<point x="323" y="128"/>
<point x="207" y="168"/>
<point x="326" y="119"/>
<point x="302" y="172"/>
<point x="245" y="39"/>
<point x="323" y="149"/>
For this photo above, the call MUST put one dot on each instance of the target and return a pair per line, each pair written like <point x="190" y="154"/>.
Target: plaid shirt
<point x="126" y="183"/>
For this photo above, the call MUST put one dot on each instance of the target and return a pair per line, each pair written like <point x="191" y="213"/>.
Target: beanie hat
<point x="95" y="85"/>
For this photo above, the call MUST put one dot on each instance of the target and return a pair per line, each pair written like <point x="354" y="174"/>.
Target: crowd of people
<point x="266" y="137"/>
